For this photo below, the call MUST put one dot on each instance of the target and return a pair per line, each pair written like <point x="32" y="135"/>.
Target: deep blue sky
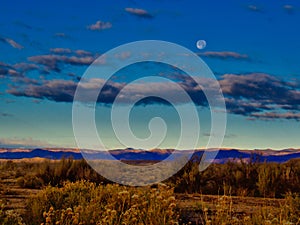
<point x="252" y="48"/>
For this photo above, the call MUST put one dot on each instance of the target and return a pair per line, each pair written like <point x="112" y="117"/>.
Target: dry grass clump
<point x="83" y="202"/>
<point x="222" y="213"/>
<point x="9" y="217"/>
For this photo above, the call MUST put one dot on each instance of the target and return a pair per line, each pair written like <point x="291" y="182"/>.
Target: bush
<point x="84" y="202"/>
<point x="30" y="181"/>
<point x="56" y="173"/>
<point x="9" y="217"/>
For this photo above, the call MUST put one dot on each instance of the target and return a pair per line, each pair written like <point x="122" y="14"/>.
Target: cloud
<point x="23" y="142"/>
<point x="223" y="55"/>
<point x="254" y="8"/>
<point x="50" y="61"/>
<point x="262" y="88"/>
<point x="55" y="90"/>
<point x="67" y="51"/>
<point x="123" y="55"/>
<point x="81" y="52"/>
<point x="11" y="42"/>
<point x="139" y="12"/>
<point x="53" y="61"/>
<point x="254" y="95"/>
<point x="17" y="71"/>
<point x="207" y="134"/>
<point x="61" y="50"/>
<point x="290" y="9"/>
<point x="3" y="71"/>
<point x="74" y="60"/>
<point x="3" y="114"/>
<point x="275" y="115"/>
<point x="8" y="71"/>
<point x="74" y="76"/>
<point x="243" y="107"/>
<point x="63" y="91"/>
<point x="99" y="25"/>
<point x="23" y="80"/>
<point x="2" y="64"/>
<point x="60" y="35"/>
<point x="9" y="101"/>
<point x="22" y="24"/>
<point x="25" y="67"/>
<point x="260" y="95"/>
<point x="14" y="73"/>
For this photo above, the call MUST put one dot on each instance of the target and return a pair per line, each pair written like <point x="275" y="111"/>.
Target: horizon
<point x="146" y="150"/>
<point x="255" y="61"/>
<point x="164" y="156"/>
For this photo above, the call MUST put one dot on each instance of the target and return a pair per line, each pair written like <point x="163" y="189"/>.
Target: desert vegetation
<point x="69" y="192"/>
<point x="84" y="202"/>
<point x="252" y="179"/>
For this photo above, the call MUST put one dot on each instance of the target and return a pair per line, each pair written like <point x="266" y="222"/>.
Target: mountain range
<point x="224" y="155"/>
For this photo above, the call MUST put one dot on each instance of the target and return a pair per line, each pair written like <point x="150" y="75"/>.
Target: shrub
<point x="9" y="217"/>
<point x="30" y="181"/>
<point x="84" y="202"/>
<point x="56" y="173"/>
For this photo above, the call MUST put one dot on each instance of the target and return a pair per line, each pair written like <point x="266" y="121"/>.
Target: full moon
<point x="201" y="44"/>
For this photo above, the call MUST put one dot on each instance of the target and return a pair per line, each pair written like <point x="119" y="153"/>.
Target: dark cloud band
<point x="254" y="95"/>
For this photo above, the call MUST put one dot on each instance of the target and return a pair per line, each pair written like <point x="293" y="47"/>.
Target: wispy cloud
<point x="17" y="70"/>
<point x="61" y="50"/>
<point x="3" y="114"/>
<point x="2" y="64"/>
<point x="81" y="52"/>
<point x="3" y="71"/>
<point x="275" y="115"/>
<point x="44" y="64"/>
<point x="55" y="90"/>
<point x="123" y="55"/>
<point x="22" y="24"/>
<point x="67" y="51"/>
<point x="223" y="55"/>
<point x="60" y="35"/>
<point x="207" y="134"/>
<point x="290" y="9"/>
<point x="8" y="71"/>
<point x="99" y="25"/>
<point x="139" y="12"/>
<point x="23" y="142"/>
<point x="25" y="67"/>
<point x="254" y="8"/>
<point x="11" y="42"/>
<point x="52" y="62"/>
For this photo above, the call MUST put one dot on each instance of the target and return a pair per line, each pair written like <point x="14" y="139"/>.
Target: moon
<point x="201" y="44"/>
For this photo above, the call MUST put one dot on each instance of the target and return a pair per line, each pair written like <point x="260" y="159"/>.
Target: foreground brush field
<point x="70" y="192"/>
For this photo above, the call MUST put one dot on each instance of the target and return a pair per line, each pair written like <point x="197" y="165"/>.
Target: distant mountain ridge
<point x="39" y="153"/>
<point x="223" y="155"/>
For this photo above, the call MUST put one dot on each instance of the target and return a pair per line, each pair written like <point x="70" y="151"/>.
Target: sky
<point x="252" y="49"/>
